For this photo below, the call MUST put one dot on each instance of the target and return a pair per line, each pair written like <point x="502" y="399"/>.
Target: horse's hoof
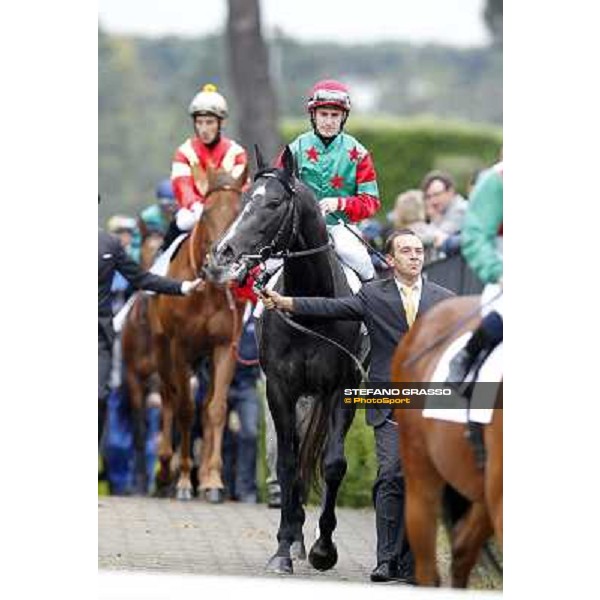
<point x="184" y="494"/>
<point x="214" y="495"/>
<point x="323" y="556"/>
<point x="282" y="565"/>
<point x="298" y="550"/>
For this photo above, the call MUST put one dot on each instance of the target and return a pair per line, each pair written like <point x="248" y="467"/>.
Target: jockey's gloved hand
<point x="185" y="219"/>
<point x="329" y="205"/>
<point x="189" y="287"/>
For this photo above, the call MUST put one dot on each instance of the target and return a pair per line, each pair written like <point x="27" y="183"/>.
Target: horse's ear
<point x="288" y="162"/>
<point x="242" y="179"/>
<point x="261" y="163"/>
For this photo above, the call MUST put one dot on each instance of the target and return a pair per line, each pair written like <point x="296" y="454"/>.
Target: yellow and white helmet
<point x="118" y="223"/>
<point x="209" y="102"/>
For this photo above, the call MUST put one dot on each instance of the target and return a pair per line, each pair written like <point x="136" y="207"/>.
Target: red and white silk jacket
<point x="190" y="163"/>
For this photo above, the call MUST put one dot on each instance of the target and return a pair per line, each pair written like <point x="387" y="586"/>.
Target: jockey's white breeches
<point x="489" y="292"/>
<point x="351" y="252"/>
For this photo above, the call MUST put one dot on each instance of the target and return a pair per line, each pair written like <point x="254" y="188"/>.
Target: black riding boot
<point x="484" y="339"/>
<point x="172" y="233"/>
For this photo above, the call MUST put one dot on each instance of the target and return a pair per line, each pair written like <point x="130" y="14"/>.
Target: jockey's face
<point x="328" y="121"/>
<point x="407" y="259"/>
<point x="207" y="128"/>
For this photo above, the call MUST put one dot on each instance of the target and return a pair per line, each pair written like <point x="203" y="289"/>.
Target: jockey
<point x="481" y="241"/>
<point x="208" y="110"/>
<point x="340" y="172"/>
<point x="156" y="217"/>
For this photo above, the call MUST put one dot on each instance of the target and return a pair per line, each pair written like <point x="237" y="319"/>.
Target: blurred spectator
<point x="156" y="217"/>
<point x="445" y="210"/>
<point x="409" y="213"/>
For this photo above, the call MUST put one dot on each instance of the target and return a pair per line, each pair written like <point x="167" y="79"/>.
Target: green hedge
<point x="404" y="151"/>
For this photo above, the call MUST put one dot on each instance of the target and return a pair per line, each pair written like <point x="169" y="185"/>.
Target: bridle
<point x="226" y="187"/>
<point x="289" y="221"/>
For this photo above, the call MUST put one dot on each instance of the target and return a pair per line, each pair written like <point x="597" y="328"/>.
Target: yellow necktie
<point x="409" y="305"/>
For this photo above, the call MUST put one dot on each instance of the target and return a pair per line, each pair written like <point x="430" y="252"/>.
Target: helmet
<point x="209" y="102"/>
<point x="329" y="93"/>
<point x="119" y="223"/>
<point x="164" y="192"/>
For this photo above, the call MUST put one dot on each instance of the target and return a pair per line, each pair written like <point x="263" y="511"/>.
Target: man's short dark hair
<point x="389" y="243"/>
<point x="442" y="176"/>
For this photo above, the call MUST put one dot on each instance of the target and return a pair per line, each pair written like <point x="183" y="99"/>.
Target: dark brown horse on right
<point x="436" y="452"/>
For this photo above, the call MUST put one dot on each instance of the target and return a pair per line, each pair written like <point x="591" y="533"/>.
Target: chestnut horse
<point x="139" y="367"/>
<point x="436" y="452"/>
<point x="185" y="330"/>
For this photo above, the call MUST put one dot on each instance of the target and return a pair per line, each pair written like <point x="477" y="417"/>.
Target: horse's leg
<point x="167" y="391"/>
<point x="323" y="554"/>
<point x="493" y="473"/>
<point x="468" y="537"/>
<point x="223" y="369"/>
<point x="284" y="417"/>
<point x="423" y="487"/>
<point x="185" y="418"/>
<point x="135" y="391"/>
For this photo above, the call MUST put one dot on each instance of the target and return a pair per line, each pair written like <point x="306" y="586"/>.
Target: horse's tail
<point x="314" y="427"/>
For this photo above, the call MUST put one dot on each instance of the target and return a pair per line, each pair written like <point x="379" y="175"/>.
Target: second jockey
<point x="208" y="110"/>
<point x="481" y="241"/>
<point x="340" y="172"/>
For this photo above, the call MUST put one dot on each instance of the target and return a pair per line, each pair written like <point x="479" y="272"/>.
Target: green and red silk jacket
<point x="483" y="224"/>
<point x="342" y="170"/>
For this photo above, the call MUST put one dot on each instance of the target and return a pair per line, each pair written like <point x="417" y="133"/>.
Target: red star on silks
<point x="337" y="182"/>
<point x="312" y="154"/>
<point x="354" y="154"/>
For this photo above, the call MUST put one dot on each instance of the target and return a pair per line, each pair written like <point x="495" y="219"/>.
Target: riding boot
<point x="172" y="233"/>
<point x="484" y="339"/>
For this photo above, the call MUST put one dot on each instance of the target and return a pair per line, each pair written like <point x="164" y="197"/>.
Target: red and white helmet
<point x="329" y="93"/>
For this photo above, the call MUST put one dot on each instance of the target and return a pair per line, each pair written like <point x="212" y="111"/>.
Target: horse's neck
<point x="310" y="275"/>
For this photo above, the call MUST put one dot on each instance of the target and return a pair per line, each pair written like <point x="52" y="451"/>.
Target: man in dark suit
<point x="113" y="257"/>
<point x="388" y="308"/>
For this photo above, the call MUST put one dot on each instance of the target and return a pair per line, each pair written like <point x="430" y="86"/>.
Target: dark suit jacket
<point x="380" y="306"/>
<point x="112" y="257"/>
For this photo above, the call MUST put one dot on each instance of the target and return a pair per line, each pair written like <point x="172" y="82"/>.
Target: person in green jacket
<point x="156" y="217"/>
<point x="481" y="245"/>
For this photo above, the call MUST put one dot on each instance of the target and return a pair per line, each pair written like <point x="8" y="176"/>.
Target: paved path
<point x="228" y="539"/>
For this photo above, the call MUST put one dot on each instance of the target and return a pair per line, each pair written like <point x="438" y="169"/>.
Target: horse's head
<point x="222" y="205"/>
<point x="268" y="223"/>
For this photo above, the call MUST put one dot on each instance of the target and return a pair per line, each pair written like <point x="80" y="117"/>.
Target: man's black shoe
<point x="383" y="572"/>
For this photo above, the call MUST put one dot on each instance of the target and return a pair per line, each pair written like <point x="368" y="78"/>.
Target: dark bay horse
<point x="185" y="330"/>
<point x="283" y="218"/>
<point x="436" y="452"/>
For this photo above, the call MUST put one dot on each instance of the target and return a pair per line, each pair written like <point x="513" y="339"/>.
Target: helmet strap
<point x="326" y="140"/>
<point x="217" y="137"/>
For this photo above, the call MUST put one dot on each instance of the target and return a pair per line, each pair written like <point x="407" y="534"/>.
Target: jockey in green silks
<point x="481" y="245"/>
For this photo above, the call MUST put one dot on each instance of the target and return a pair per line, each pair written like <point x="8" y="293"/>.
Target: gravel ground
<point x="234" y="539"/>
